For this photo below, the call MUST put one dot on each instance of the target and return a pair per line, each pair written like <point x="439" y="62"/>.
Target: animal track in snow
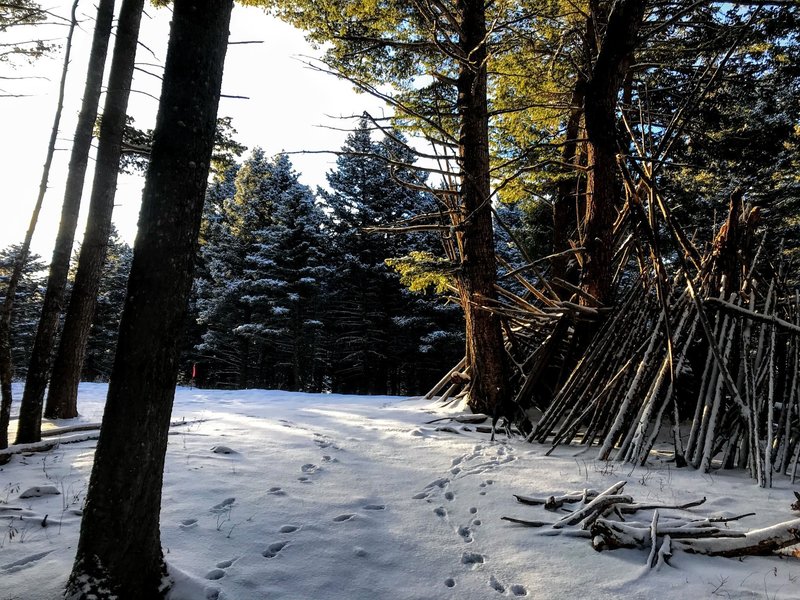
<point x="323" y="441"/>
<point x="434" y="488"/>
<point x="273" y="549"/>
<point x="218" y="573"/>
<point x="289" y="528"/>
<point x="304" y="479"/>
<point x="440" y="511"/>
<point x="496" y="585"/>
<point x="223" y="506"/>
<point x="343" y="518"/>
<point x="440" y="483"/>
<point x="466" y="533"/>
<point x="226" y="563"/>
<point x="276" y="491"/>
<point x="327" y="458"/>
<point x="309" y="468"/>
<point x="188" y="524"/>
<point x="519" y="590"/>
<point x="374" y="507"/>
<point x="472" y="510"/>
<point x="450" y="582"/>
<point x="472" y="559"/>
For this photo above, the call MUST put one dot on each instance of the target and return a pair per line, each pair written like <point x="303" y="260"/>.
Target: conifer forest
<point x="575" y="225"/>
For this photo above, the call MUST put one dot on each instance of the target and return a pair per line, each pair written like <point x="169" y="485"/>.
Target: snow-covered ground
<point x="327" y="497"/>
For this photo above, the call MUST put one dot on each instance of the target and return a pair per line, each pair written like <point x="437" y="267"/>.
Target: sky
<point x="288" y="107"/>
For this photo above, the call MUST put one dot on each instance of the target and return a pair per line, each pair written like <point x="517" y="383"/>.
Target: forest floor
<point x="327" y="497"/>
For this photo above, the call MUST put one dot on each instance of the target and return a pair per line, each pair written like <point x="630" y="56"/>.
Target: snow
<point x="332" y="497"/>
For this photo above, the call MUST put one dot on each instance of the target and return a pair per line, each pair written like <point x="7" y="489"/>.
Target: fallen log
<point x="601" y="521"/>
<point x="556" y="502"/>
<point x="758" y="542"/>
<point x="632" y="508"/>
<point x="525" y="522"/>
<point x="465" y="418"/>
<point x="609" y="535"/>
<point x="593" y="509"/>
<point x="73" y="435"/>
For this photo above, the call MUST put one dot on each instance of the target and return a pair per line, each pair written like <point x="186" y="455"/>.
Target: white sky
<point x="290" y="107"/>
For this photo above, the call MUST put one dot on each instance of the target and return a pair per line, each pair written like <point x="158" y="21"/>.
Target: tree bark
<point x="62" y="399"/>
<point x="6" y="366"/>
<point x="564" y="204"/>
<point x="119" y="551"/>
<point x="603" y="189"/>
<point x="30" y="413"/>
<point x="477" y="274"/>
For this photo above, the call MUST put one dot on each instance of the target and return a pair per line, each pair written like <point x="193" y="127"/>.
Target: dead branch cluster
<point x="611" y="519"/>
<point x="701" y="348"/>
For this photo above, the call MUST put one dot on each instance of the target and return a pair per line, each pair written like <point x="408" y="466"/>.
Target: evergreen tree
<point x="285" y="272"/>
<point x="369" y="311"/>
<point x="27" y="303"/>
<point x="223" y="356"/>
<point x="240" y="210"/>
<point x="102" y="339"/>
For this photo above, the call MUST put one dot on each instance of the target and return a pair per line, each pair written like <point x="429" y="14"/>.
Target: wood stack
<point x="709" y="361"/>
<point x="609" y="520"/>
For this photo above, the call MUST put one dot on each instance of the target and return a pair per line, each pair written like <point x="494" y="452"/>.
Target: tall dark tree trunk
<point x="6" y="366"/>
<point x="477" y="274"/>
<point x="30" y="412"/>
<point x="62" y="398"/>
<point x="564" y="204"/>
<point x="603" y="192"/>
<point x="119" y="551"/>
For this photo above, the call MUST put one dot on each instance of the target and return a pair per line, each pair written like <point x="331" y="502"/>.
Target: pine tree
<point x="285" y="272"/>
<point x="27" y="303"/>
<point x="239" y="205"/>
<point x="368" y="308"/>
<point x="102" y="340"/>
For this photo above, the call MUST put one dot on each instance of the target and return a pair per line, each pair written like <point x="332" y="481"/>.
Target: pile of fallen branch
<point x="707" y="358"/>
<point x="611" y="519"/>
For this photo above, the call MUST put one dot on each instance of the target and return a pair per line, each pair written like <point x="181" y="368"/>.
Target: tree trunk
<point x="6" y="366"/>
<point x="603" y="190"/>
<point x="119" y="551"/>
<point x="62" y="399"/>
<point x="477" y="274"/>
<point x="564" y="213"/>
<point x="30" y="413"/>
